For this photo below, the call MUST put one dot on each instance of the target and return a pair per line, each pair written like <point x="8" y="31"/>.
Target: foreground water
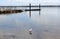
<point x="45" y="25"/>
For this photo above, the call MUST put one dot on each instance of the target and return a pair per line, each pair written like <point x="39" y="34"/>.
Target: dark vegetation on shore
<point x="10" y="11"/>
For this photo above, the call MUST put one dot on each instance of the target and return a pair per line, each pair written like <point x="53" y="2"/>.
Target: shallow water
<point x="45" y="25"/>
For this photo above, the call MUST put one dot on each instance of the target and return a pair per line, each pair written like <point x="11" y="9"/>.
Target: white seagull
<point x="30" y="31"/>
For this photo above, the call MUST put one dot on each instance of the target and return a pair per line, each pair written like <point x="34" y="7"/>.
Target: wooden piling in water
<point x="30" y="10"/>
<point x="40" y="9"/>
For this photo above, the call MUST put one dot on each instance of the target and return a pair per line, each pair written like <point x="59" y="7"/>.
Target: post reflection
<point x="31" y="14"/>
<point x="39" y="13"/>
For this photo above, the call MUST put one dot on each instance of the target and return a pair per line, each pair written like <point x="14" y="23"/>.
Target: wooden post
<point x="39" y="9"/>
<point x="30" y="10"/>
<point x="39" y="6"/>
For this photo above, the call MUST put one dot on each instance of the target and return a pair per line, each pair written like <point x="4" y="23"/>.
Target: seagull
<point x="30" y="31"/>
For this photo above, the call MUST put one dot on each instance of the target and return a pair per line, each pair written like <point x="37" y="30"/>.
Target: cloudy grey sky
<point x="25" y="2"/>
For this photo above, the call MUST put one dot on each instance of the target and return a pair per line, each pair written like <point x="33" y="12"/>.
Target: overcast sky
<point x="25" y="2"/>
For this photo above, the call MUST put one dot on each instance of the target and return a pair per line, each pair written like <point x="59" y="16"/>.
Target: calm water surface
<point x="45" y="25"/>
